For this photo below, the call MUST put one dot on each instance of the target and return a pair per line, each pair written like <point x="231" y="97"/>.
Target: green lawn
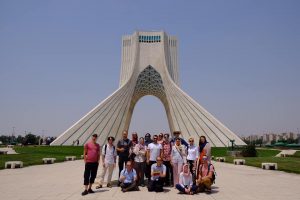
<point x="33" y="155"/>
<point x="297" y="154"/>
<point x="267" y="152"/>
<point x="287" y="164"/>
<point x="219" y="151"/>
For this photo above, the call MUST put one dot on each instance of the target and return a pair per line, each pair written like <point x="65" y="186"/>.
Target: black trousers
<point x="148" y="169"/>
<point x="140" y="170"/>
<point x="122" y="161"/>
<point x="191" y="164"/>
<point x="90" y="172"/>
<point x="129" y="186"/>
<point x="156" y="185"/>
<point x="169" y="173"/>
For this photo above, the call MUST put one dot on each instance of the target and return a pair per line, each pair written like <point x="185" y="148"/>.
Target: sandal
<point x="99" y="186"/>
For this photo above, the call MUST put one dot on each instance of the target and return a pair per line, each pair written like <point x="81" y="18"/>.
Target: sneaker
<point x="85" y="192"/>
<point x="109" y="185"/>
<point x="90" y="191"/>
<point x="142" y="185"/>
<point x="99" y="186"/>
<point x="124" y="190"/>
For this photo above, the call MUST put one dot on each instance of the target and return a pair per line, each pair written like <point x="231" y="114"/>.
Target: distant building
<point x="269" y="137"/>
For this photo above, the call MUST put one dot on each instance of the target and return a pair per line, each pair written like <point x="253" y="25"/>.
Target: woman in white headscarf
<point x="178" y="154"/>
<point x="185" y="185"/>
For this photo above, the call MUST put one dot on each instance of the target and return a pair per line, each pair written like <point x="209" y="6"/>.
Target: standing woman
<point x="134" y="139"/>
<point x="177" y="154"/>
<point x="204" y="148"/>
<point x="140" y="161"/>
<point x="193" y="154"/>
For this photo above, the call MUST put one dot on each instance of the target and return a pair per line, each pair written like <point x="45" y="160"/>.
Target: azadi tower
<point x="149" y="67"/>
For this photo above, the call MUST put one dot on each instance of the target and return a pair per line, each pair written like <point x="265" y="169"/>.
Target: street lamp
<point x="12" y="135"/>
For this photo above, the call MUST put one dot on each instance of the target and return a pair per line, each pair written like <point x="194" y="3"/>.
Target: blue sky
<point x="238" y="59"/>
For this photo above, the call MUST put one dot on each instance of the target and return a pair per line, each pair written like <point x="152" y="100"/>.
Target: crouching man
<point x="158" y="173"/>
<point x="205" y="175"/>
<point x="128" y="178"/>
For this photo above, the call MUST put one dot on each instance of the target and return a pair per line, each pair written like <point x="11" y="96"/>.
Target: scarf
<point x="186" y="170"/>
<point x="202" y="146"/>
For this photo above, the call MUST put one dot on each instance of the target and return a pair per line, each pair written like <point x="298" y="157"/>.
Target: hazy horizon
<point x="238" y="59"/>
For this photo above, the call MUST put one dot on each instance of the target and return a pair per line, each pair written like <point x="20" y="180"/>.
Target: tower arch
<point x="149" y="67"/>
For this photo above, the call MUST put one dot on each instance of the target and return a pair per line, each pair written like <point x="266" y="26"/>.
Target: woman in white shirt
<point x="185" y="185"/>
<point x="193" y="154"/>
<point x="177" y="154"/>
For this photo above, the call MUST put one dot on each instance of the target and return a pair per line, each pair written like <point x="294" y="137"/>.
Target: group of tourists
<point x="163" y="160"/>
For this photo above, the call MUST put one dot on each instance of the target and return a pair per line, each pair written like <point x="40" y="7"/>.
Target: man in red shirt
<point x="91" y="159"/>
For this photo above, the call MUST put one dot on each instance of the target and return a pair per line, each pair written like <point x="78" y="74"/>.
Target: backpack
<point x="105" y="147"/>
<point x="213" y="175"/>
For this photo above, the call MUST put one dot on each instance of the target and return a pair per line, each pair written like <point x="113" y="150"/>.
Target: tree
<point x="249" y="151"/>
<point x="31" y="139"/>
<point x="20" y="139"/>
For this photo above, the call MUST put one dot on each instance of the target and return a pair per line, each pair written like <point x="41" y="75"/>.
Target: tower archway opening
<point x="149" y="116"/>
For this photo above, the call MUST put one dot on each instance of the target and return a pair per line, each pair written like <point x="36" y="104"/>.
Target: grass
<point x="31" y="155"/>
<point x="219" y="151"/>
<point x="297" y="154"/>
<point x="267" y="152"/>
<point x="287" y="164"/>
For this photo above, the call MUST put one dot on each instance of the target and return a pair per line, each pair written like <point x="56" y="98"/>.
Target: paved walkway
<point x="286" y="152"/>
<point x="64" y="181"/>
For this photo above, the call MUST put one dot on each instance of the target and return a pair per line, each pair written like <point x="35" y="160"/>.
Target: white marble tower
<point x="149" y="67"/>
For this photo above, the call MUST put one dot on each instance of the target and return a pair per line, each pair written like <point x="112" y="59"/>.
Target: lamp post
<point x="232" y="143"/>
<point x="12" y="135"/>
<point x="298" y="136"/>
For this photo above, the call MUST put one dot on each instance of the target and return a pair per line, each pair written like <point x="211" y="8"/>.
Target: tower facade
<point x="149" y="67"/>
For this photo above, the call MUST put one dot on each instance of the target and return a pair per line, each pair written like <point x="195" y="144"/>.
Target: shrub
<point x="249" y="151"/>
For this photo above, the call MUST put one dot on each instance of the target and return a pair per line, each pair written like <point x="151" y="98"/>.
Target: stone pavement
<point x="64" y="181"/>
<point x="286" y="152"/>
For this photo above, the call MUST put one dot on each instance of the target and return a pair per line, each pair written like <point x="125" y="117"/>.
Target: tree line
<point x="28" y="139"/>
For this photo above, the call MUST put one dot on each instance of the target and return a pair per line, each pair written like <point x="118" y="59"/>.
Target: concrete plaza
<point x="64" y="181"/>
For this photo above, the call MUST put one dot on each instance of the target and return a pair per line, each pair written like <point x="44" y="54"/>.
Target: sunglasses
<point x="155" y="138"/>
<point x="191" y="141"/>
